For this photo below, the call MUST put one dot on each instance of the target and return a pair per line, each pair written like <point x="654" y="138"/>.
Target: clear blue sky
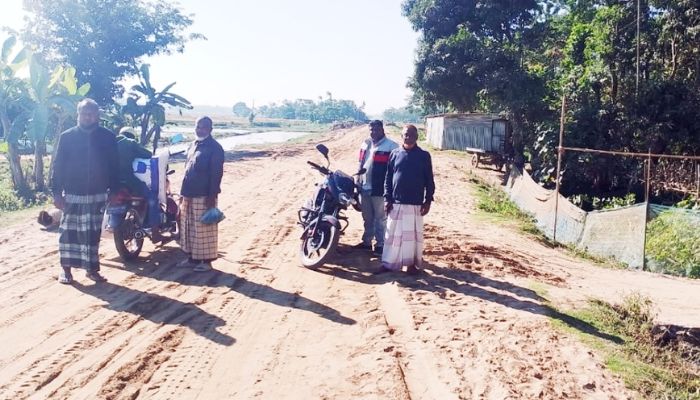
<point x="270" y="50"/>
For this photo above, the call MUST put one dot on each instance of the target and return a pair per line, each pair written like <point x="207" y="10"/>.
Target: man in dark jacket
<point x="200" y="189"/>
<point x="409" y="190"/>
<point x="374" y="155"/>
<point x="128" y="150"/>
<point x="85" y="170"/>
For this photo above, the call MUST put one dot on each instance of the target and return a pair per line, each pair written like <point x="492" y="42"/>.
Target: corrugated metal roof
<point x="467" y="116"/>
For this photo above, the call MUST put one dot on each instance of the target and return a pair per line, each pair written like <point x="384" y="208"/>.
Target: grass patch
<point x="600" y="261"/>
<point x="29" y="213"/>
<point x="653" y="371"/>
<point x="495" y="202"/>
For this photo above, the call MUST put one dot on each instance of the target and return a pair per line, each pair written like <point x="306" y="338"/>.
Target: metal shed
<point x="481" y="134"/>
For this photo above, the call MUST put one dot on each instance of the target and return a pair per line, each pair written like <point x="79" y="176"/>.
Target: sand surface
<point x="262" y="327"/>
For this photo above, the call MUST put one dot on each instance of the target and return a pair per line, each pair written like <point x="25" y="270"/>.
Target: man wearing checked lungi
<point x="200" y="189"/>
<point x="85" y="170"/>
<point x="408" y="191"/>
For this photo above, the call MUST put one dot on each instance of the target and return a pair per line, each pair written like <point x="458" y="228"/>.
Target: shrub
<point x="673" y="243"/>
<point x="9" y="201"/>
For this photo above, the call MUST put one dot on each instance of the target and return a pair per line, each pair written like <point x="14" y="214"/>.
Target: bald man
<point x="200" y="189"/>
<point x="409" y="187"/>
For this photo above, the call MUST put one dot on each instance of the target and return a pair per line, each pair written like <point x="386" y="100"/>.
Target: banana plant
<point x="147" y="106"/>
<point x="12" y="93"/>
<point x="54" y="95"/>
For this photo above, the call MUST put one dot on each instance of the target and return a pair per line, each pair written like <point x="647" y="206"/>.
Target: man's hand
<point x="388" y="207"/>
<point x="210" y="202"/>
<point x="59" y="202"/>
<point x="425" y="208"/>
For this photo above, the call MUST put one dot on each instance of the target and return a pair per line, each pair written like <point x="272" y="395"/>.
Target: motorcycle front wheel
<point x="314" y="250"/>
<point x="127" y="245"/>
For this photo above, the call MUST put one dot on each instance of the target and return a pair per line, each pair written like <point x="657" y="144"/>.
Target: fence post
<point x="646" y="211"/>
<point x="560" y="152"/>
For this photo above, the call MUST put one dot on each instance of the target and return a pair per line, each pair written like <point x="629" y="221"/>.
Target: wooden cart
<point x="498" y="160"/>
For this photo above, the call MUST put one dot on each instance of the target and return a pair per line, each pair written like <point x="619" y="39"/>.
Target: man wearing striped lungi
<point x="85" y="169"/>
<point x="200" y="189"/>
<point x="408" y="192"/>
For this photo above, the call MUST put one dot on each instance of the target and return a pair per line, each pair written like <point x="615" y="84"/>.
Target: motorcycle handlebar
<point x="321" y="169"/>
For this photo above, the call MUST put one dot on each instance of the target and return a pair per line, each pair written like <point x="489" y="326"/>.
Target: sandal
<point x="381" y="270"/>
<point x="202" y="267"/>
<point x="65" y="278"/>
<point x="95" y="276"/>
<point x="413" y="270"/>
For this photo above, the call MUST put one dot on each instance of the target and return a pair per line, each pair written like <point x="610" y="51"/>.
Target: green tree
<point x="520" y="57"/>
<point x="147" y="106"/>
<point x="103" y="38"/>
<point x="54" y="96"/>
<point x="240" y="109"/>
<point x="405" y="114"/>
<point x="323" y="111"/>
<point x="34" y="108"/>
<point x="479" y="55"/>
<point x="12" y="96"/>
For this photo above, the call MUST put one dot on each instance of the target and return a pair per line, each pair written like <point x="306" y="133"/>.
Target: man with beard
<point x="85" y="169"/>
<point x="409" y="189"/>
<point x="200" y="188"/>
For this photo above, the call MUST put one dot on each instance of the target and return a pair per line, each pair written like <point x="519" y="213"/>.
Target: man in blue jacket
<point x="374" y="156"/>
<point x="409" y="189"/>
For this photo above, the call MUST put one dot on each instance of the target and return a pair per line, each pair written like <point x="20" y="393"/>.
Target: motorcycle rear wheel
<point x="314" y="251"/>
<point x="127" y="245"/>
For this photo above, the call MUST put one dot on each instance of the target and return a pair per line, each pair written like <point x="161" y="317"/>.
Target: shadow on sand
<point x="355" y="265"/>
<point x="161" y="266"/>
<point x="158" y="309"/>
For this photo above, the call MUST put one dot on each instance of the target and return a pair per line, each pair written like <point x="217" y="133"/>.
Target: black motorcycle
<point x="322" y="217"/>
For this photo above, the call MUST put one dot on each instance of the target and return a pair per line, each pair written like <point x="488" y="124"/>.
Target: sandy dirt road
<point x="262" y="327"/>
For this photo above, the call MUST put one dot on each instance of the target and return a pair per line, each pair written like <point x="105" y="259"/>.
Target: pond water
<point x="231" y="142"/>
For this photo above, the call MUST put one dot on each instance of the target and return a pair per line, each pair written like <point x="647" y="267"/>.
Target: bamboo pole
<point x="697" y="177"/>
<point x="646" y="211"/>
<point x="631" y="154"/>
<point x="560" y="151"/>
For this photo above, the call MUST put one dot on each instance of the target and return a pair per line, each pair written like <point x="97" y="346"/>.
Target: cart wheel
<point x="475" y="160"/>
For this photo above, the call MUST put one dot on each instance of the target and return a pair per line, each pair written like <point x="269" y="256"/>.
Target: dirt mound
<point x="459" y="250"/>
<point x="686" y="340"/>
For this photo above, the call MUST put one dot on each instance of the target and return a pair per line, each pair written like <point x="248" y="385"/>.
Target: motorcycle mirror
<point x="323" y="150"/>
<point x="361" y="171"/>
